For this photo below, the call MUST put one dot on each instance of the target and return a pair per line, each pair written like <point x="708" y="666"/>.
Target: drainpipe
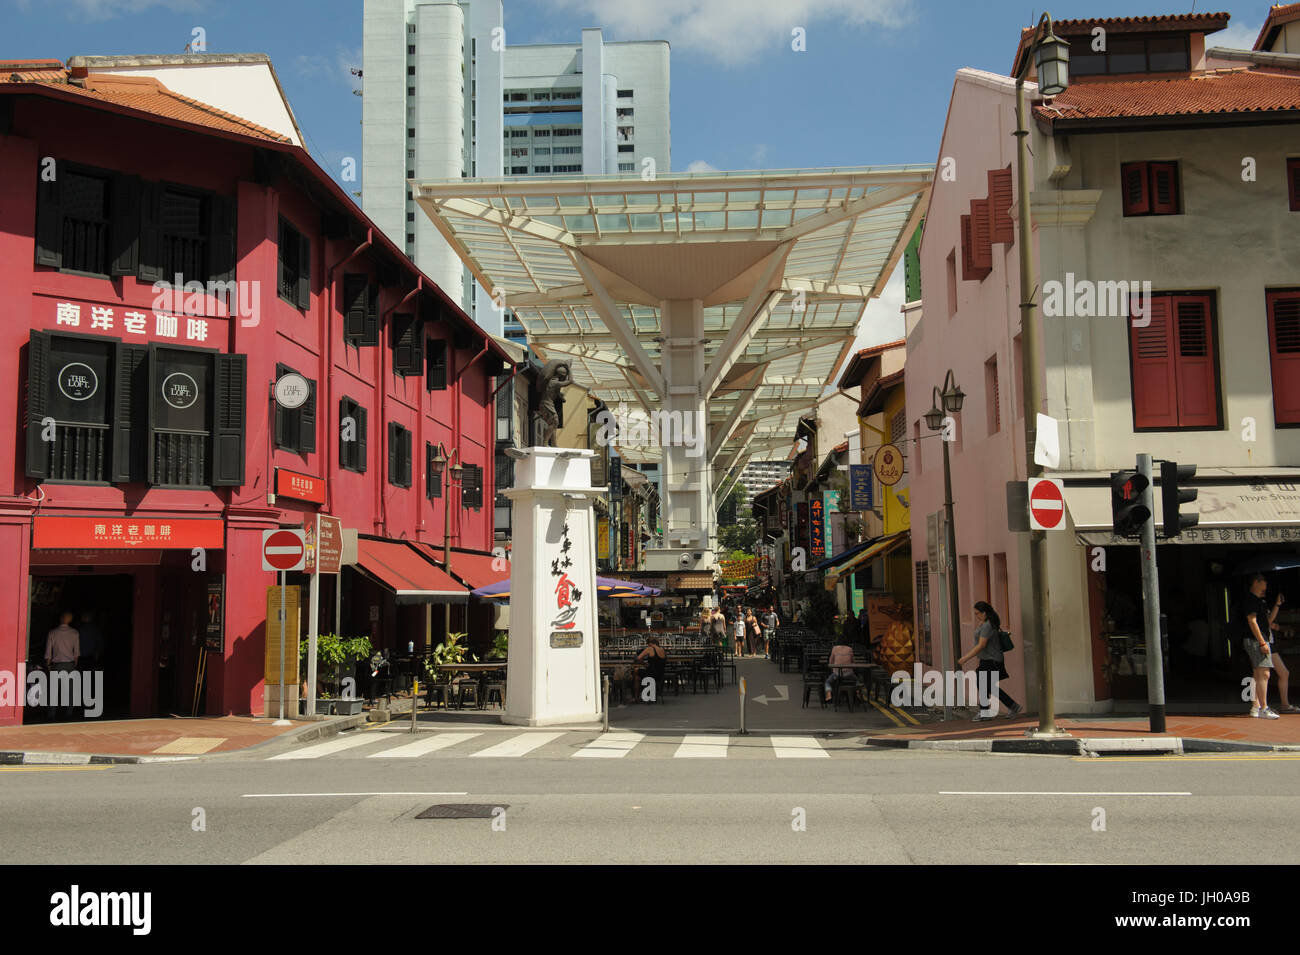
<point x="327" y="348"/>
<point x="384" y="369"/>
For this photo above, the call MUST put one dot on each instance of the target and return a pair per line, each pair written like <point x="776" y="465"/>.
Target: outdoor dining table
<point x="481" y="670"/>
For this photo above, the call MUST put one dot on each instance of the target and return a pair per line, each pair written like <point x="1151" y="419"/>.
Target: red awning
<point x="473" y="569"/>
<point x="410" y="577"/>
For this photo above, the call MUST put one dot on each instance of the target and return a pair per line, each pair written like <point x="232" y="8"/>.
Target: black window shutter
<point x="361" y="438"/>
<point x="304" y="272"/>
<point x="130" y="413"/>
<point x="406" y="458"/>
<point x="428" y="470"/>
<point x="436" y="369"/>
<point x="282" y="416"/>
<point x="228" y="421"/>
<point x="370" y="328"/>
<point x="38" y="376"/>
<point x="150" y="376"/>
<point x="472" y="486"/>
<point x="150" y="268"/>
<point x="307" y="422"/>
<point x="417" y="347"/>
<point x="404" y="332"/>
<point x="221" y="240"/>
<point x="282" y="254"/>
<point x="49" y="223"/>
<point x="345" y="446"/>
<point x="394" y="455"/>
<point x="355" y="304"/>
<point x="124" y="226"/>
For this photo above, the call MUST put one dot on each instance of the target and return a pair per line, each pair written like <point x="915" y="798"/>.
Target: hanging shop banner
<point x="602" y="538"/>
<point x="302" y="487"/>
<point x="860" y="487"/>
<point x="888" y="464"/>
<point x="816" y="529"/>
<point x="212" y="633"/>
<point x="832" y="499"/>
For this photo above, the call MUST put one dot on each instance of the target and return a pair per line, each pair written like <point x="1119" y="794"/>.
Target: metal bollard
<point x="743" y="688"/>
<point x="605" y="691"/>
<point x="415" y="700"/>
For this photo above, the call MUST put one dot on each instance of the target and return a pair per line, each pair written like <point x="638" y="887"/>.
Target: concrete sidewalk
<point x="1102" y="734"/>
<point x="151" y="740"/>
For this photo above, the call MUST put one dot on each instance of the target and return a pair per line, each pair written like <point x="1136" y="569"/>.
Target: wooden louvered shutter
<point x="436" y="367"/>
<point x="228" y="426"/>
<point x="370" y="330"/>
<point x="1293" y="183"/>
<point x="1284" y="355"/>
<point x="49" y="221"/>
<point x="221" y="242"/>
<point x="404" y="335"/>
<point x="1001" y="227"/>
<point x="356" y="298"/>
<point x="968" y="271"/>
<point x="282" y="415"/>
<point x="361" y="438"/>
<point x="1133" y="182"/>
<point x="1164" y="188"/>
<point x="394" y="454"/>
<point x="1155" y="395"/>
<point x="1198" y="391"/>
<point x="307" y="421"/>
<point x="124" y="226"/>
<point x="130" y="416"/>
<point x="150" y="266"/>
<point x="346" y="410"/>
<point x="304" y="271"/>
<point x="982" y="250"/>
<point x="38" y="378"/>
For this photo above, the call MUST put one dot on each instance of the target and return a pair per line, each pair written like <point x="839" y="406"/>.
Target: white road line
<point x="519" y="745"/>
<point x="314" y="795"/>
<point x="611" y="745"/>
<point x="797" y="747"/>
<point x="953" y="792"/>
<point x="694" y="747"/>
<point x="422" y="746"/>
<point x="331" y="746"/>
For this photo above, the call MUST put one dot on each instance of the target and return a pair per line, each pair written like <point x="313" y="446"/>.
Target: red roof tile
<point x="1217" y="92"/>
<point x="1278" y="15"/>
<point x="1169" y="23"/>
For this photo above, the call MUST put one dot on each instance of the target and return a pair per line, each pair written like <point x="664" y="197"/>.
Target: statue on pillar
<point x="548" y="417"/>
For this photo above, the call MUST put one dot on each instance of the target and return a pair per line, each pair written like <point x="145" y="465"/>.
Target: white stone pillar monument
<point x="554" y="660"/>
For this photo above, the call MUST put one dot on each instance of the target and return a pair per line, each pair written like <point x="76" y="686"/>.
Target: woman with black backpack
<point x="988" y="648"/>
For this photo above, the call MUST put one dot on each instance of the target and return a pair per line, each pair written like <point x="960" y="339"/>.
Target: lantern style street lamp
<point x="948" y="401"/>
<point x="440" y="472"/>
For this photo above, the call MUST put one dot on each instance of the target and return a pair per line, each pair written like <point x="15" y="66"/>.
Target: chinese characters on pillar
<point x="568" y="597"/>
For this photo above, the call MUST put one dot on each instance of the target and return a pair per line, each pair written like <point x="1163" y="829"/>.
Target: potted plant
<point x="332" y="652"/>
<point x="500" y="646"/>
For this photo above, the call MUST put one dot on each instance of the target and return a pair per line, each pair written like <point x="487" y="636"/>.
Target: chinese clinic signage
<point x="302" y="487"/>
<point x="817" y="529"/>
<point x="127" y="532"/>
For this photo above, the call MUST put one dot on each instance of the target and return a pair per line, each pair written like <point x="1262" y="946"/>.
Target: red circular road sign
<point x="1046" y="504"/>
<point x="283" y="550"/>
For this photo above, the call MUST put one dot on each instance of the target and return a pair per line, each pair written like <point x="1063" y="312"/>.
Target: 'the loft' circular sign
<point x="78" y="381"/>
<point x="888" y="464"/>
<point x="292" y="390"/>
<point x="180" y="390"/>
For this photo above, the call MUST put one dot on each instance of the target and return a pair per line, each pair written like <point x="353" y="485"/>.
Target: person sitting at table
<point x="840" y="654"/>
<point x="652" y="660"/>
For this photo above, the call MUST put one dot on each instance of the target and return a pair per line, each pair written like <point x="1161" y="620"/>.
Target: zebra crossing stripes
<point x="703" y="747"/>
<point x="797" y="747"/>
<point x="422" y="747"/>
<point x="611" y="745"/>
<point x="330" y="747"/>
<point x="519" y="745"/>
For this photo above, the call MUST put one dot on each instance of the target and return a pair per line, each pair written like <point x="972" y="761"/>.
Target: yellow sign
<point x="888" y="465"/>
<point x="291" y="631"/>
<point x="602" y="538"/>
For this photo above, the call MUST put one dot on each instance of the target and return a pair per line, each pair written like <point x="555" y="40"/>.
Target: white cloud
<point x="337" y="66"/>
<point x="735" y="31"/>
<point x="108" y="9"/>
<point x="699" y="165"/>
<point x="757" y="156"/>
<point x="1238" y="36"/>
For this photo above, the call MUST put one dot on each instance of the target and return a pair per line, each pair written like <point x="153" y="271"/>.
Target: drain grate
<point x="460" y="810"/>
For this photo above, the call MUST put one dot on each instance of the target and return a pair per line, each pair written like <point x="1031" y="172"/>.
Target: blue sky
<point x="871" y="88"/>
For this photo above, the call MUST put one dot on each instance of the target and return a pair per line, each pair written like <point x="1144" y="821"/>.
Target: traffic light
<point x="1173" y="497"/>
<point x="1127" y="512"/>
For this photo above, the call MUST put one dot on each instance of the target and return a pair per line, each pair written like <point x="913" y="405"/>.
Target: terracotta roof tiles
<point x="1217" y="92"/>
<point x="1279" y="15"/>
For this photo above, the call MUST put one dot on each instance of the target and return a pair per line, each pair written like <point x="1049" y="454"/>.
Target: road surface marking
<point x="694" y="747"/>
<point x="882" y="709"/>
<point x="949" y="792"/>
<point x="611" y="745"/>
<point x="312" y="795"/>
<point x="422" y="746"/>
<point x="192" y="744"/>
<point x="1212" y="757"/>
<point x="905" y="715"/>
<point x="797" y="747"/>
<point x="51" y="769"/>
<point x="330" y="747"/>
<point x="519" y="745"/>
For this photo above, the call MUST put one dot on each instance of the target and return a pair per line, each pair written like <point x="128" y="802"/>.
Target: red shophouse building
<point x="140" y="429"/>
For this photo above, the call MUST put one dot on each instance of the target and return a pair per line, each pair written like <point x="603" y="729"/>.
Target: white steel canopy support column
<point x="626" y="337"/>
<point x="744" y="403"/>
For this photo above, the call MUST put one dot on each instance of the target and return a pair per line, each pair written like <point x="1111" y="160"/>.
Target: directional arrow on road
<point x="783" y="690"/>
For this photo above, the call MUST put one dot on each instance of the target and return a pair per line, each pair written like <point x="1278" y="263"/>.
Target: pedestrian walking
<point x="1258" y="644"/>
<point x="718" y="624"/>
<point x="62" y="649"/>
<point x="753" y="633"/>
<point x="988" y="648"/>
<point x="738" y="630"/>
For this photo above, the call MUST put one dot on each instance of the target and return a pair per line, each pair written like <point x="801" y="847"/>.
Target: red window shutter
<point x="1155" y="396"/>
<point x="1284" y="354"/>
<point x="1164" y="188"/>
<point x="1293" y="183"/>
<point x="1198" y="390"/>
<point x="983" y="252"/>
<point x="967" y="246"/>
<point x="1133" y="181"/>
<point x="1001" y="227"/>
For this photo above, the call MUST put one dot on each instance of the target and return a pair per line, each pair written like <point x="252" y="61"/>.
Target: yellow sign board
<point x="291" y="631"/>
<point x="602" y="538"/>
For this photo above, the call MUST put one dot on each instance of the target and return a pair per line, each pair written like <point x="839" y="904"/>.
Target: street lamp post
<point x="1051" y="57"/>
<point x="948" y="402"/>
<point x="446" y="476"/>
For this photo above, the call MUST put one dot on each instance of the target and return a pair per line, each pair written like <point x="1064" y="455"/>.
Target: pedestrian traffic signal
<point x="1173" y="497"/>
<point x="1127" y="512"/>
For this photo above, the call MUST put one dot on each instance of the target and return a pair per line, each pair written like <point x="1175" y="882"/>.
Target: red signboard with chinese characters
<point x="130" y="324"/>
<point x="126" y="532"/>
<point x="303" y="487"/>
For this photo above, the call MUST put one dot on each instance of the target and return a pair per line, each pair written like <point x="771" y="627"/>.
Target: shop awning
<point x="878" y="548"/>
<point x="1265" y="513"/>
<point x="844" y="555"/>
<point x="412" y="579"/>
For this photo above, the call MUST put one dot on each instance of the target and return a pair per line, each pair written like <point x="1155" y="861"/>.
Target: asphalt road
<point x="858" y="806"/>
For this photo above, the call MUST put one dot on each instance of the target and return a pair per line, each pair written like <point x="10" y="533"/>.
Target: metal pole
<point x="605" y="692"/>
<point x="1031" y="362"/>
<point x="743" y="687"/>
<point x="282" y="720"/>
<point x="313" y="624"/>
<point x="446" y="537"/>
<point x="1151" y="604"/>
<point x="954" y="602"/>
<point x="415" y="698"/>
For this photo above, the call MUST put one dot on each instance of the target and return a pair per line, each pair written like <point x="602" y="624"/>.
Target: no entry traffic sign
<point x="284" y="549"/>
<point x="1046" y="504"/>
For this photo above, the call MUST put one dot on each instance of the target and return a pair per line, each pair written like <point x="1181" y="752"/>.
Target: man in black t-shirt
<point x="1258" y="644"/>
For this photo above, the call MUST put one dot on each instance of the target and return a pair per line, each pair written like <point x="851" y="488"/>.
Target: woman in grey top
<point x="988" y="648"/>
